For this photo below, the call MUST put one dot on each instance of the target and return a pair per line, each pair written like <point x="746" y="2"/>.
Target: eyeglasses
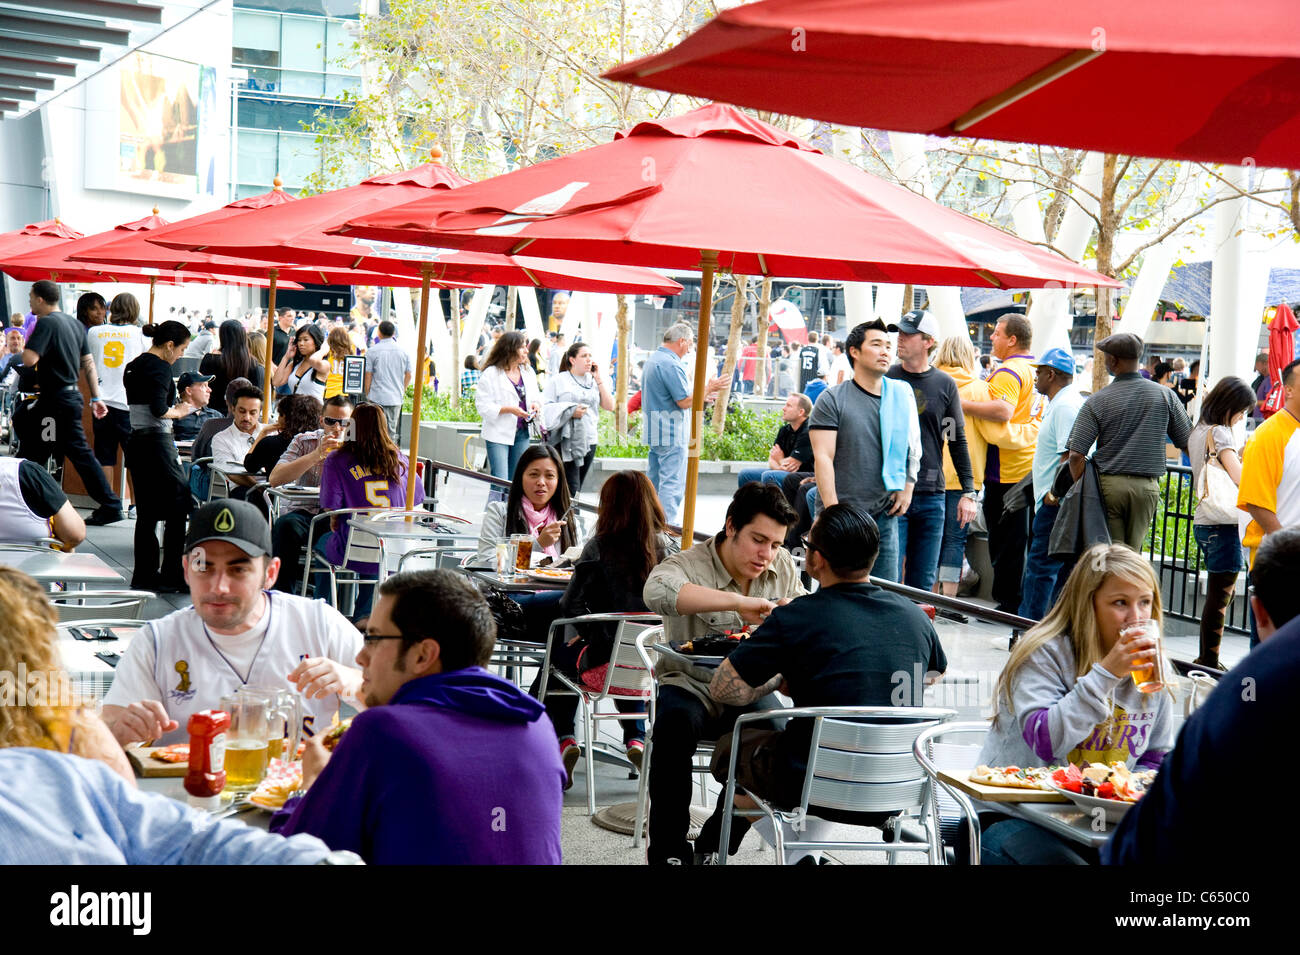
<point x="376" y="637"/>
<point x="807" y="544"/>
<point x="334" y="422"/>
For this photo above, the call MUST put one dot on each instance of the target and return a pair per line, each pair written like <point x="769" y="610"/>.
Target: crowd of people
<point x="877" y="475"/>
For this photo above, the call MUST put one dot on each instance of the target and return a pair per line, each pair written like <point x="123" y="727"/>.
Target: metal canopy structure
<point x="48" y="46"/>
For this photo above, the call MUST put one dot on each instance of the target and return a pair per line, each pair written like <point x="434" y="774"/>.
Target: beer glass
<point x="246" y="746"/>
<point x="1150" y="677"/>
<point x="505" y="554"/>
<point x="283" y="721"/>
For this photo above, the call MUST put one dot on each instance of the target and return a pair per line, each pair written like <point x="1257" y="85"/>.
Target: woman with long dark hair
<point x="1214" y="444"/>
<point x="368" y="470"/>
<point x="572" y="402"/>
<point x="537" y="505"/>
<point x="162" y="492"/>
<point x="304" y="367"/>
<point x="233" y="360"/>
<point x="340" y="347"/>
<point x="507" y="399"/>
<point x="608" y="577"/>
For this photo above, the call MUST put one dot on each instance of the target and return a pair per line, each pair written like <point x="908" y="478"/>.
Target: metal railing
<point x="1176" y="558"/>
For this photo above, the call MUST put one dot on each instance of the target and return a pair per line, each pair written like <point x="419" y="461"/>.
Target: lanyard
<point x="243" y="680"/>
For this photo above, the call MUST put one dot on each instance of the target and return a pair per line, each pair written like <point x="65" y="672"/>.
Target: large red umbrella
<point x="1281" y="347"/>
<point x="52" y="260"/>
<point x="134" y="250"/>
<point x="294" y="233"/>
<point x="36" y="235"/>
<point x="719" y="189"/>
<point x="1180" y="79"/>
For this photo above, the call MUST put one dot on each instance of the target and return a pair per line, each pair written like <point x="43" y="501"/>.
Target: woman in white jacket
<point x="572" y="401"/>
<point x="507" y="398"/>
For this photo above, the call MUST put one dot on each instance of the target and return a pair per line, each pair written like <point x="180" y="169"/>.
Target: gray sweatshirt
<point x="1059" y="719"/>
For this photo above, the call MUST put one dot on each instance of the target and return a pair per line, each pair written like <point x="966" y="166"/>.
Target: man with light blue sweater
<point x="866" y="439"/>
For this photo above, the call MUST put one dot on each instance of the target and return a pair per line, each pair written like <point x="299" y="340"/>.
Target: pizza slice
<point x="1013" y="777"/>
<point x="175" y="753"/>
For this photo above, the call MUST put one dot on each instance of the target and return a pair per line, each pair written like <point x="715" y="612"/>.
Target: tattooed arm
<point x="728" y="688"/>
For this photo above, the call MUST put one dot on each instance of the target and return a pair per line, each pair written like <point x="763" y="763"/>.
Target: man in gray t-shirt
<point x="389" y="370"/>
<point x="856" y="459"/>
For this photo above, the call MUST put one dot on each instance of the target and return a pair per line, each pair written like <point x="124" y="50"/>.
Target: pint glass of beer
<point x="247" y="753"/>
<point x="523" y="551"/>
<point x="1149" y="678"/>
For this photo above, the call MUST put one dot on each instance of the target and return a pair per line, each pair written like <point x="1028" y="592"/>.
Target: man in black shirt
<point x="284" y="318"/>
<point x="58" y="343"/>
<point x="848" y="644"/>
<point x="938" y="404"/>
<point x="792" y="451"/>
<point x="809" y="361"/>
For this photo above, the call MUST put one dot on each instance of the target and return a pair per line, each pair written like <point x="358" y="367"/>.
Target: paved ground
<point x="976" y="653"/>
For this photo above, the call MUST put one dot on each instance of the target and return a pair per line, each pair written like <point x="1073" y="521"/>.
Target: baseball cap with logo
<point x="191" y="378"/>
<point x="1057" y="358"/>
<point x="919" y="321"/>
<point x="236" y="522"/>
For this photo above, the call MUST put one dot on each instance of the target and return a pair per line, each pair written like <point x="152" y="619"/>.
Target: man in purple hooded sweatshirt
<point x="449" y="764"/>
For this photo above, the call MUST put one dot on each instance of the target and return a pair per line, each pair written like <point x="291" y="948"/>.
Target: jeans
<point x="1017" y="842"/>
<point x="62" y="410"/>
<point x="667" y="472"/>
<point x="761" y="476"/>
<point x="365" y="593"/>
<point x="1044" y="576"/>
<point x="288" y="540"/>
<point x="920" y="537"/>
<point x="1221" y="545"/>
<point x="953" y="550"/>
<point x="502" y="458"/>
<point x="681" y="722"/>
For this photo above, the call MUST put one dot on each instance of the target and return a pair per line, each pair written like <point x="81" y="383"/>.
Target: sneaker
<point x="569" y="753"/>
<point x="704" y="858"/>
<point x="104" y="515"/>
<point x="635" y="753"/>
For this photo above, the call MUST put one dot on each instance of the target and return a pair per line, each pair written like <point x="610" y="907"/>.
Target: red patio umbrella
<point x="1179" y="79"/>
<point x="36" y="235"/>
<point x="294" y="233"/>
<point x="1281" y="352"/>
<point x="133" y="250"/>
<point x="52" y="261"/>
<point x="716" y="188"/>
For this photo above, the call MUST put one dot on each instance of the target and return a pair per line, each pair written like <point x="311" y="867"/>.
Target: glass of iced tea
<point x="523" y="551"/>
<point x="1149" y="678"/>
<point x="247" y="751"/>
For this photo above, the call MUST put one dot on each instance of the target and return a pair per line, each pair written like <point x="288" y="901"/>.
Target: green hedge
<point x="748" y="435"/>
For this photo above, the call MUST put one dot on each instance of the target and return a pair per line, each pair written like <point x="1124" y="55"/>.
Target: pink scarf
<point x="536" y="520"/>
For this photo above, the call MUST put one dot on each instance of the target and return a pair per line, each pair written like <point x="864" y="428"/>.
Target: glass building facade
<point x="291" y="54"/>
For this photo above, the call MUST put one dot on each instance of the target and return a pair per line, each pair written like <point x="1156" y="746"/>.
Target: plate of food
<point x="281" y="781"/>
<point x="551" y="574"/>
<point x="1112" y="788"/>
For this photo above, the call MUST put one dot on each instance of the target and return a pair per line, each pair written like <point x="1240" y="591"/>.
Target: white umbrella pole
<point x="274" y="275"/>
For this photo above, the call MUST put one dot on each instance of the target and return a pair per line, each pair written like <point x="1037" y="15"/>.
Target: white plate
<point x="536" y="574"/>
<point x="1114" y="808"/>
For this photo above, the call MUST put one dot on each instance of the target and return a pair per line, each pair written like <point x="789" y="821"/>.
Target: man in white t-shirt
<point x="239" y="632"/>
<point x="841" y="368"/>
<point x="231" y="446"/>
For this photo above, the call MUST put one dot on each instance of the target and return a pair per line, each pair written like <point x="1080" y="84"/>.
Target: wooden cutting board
<point x="147" y="767"/>
<point x="961" y="780"/>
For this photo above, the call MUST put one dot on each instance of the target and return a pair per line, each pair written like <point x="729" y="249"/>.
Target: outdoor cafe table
<point x="51" y="567"/>
<point x="517" y="583"/>
<point x="1063" y="819"/>
<point x="174" y="787"/>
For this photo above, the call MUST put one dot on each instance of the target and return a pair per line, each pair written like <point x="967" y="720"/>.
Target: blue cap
<point x="1057" y="358"/>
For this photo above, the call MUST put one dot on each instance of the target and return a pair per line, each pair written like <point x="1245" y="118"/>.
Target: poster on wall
<point x="165" y="140"/>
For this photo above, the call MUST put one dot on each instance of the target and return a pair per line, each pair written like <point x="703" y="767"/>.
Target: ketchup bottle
<point x="207" y="775"/>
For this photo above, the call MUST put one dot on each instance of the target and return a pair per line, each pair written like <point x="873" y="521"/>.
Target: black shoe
<point x="1015" y="635"/>
<point x="952" y="615"/>
<point x="104" y="515"/>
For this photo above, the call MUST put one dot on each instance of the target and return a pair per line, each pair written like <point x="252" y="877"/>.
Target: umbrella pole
<point x="708" y="264"/>
<point x="426" y="272"/>
<point x="153" y="281"/>
<point x="273" y="275"/>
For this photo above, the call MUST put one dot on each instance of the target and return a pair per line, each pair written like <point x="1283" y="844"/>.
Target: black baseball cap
<point x="191" y="378"/>
<point x="236" y="522"/>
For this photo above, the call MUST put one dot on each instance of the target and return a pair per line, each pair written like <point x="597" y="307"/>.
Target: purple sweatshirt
<point x="344" y="483"/>
<point x="458" y="768"/>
